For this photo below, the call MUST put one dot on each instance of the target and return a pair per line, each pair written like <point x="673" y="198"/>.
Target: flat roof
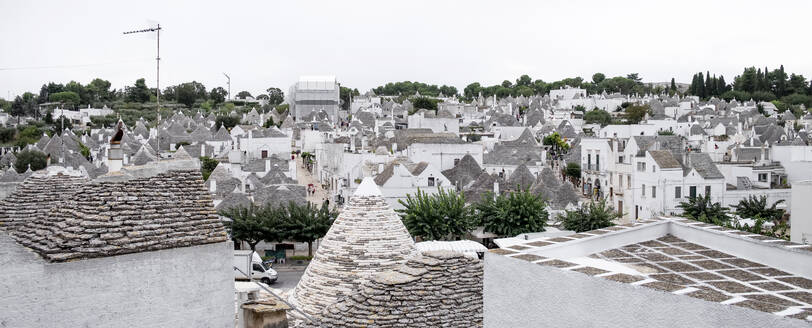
<point x="686" y="257"/>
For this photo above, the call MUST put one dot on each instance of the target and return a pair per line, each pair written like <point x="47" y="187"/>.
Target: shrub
<point x="37" y="160"/>
<point x="518" y="212"/>
<point x="588" y="217"/>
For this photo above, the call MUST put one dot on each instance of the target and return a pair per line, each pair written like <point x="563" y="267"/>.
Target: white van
<point x="248" y="261"/>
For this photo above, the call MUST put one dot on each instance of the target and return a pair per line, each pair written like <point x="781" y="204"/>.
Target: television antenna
<point x="157" y="30"/>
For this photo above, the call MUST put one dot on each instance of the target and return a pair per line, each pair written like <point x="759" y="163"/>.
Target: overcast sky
<point x="367" y="43"/>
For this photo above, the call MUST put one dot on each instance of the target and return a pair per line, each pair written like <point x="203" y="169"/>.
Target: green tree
<point x="227" y="121"/>
<point x="524" y="80"/>
<point x="636" y="113"/>
<point x="243" y="94"/>
<point x="306" y="223"/>
<point x="573" y="170"/>
<point x="597" y="78"/>
<point x="7" y="135"/>
<point x="30" y="158"/>
<point x="275" y="96"/>
<point x="138" y="92"/>
<point x="598" y="116"/>
<point x="558" y="144"/>
<point x="24" y="105"/>
<point x="99" y="90"/>
<point x="218" y="95"/>
<point x="61" y="124"/>
<point x="190" y="92"/>
<point x="441" y="216"/>
<point x="269" y="122"/>
<point x="509" y="215"/>
<point x="674" y="85"/>
<point x="425" y="103"/>
<point x="67" y="98"/>
<point x="254" y="224"/>
<point x="755" y="207"/>
<point x="472" y="90"/>
<point x="595" y="215"/>
<point x="701" y="208"/>
<point x="207" y="164"/>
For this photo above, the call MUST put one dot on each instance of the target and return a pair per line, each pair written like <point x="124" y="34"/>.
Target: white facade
<point x="801" y="213"/>
<point x="567" y="93"/>
<point x="403" y="182"/>
<point x="264" y="147"/>
<point x="436" y="124"/>
<point x="658" y="191"/>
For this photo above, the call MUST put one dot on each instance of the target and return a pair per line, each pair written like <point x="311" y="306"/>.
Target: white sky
<point x="368" y="43"/>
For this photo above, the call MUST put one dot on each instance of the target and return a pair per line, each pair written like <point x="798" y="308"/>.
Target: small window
<point x="264" y="154"/>
<point x="707" y="191"/>
<point x="654" y="168"/>
<point x="620" y="159"/>
<point x="431" y="181"/>
<point x="456" y="161"/>
<point x="677" y="192"/>
<point x="692" y="191"/>
<point x="620" y="181"/>
<point x="653" y="192"/>
<point x="629" y="181"/>
<point x="644" y="190"/>
<point x="762" y="177"/>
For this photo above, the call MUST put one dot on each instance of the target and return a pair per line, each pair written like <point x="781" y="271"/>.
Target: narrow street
<point x="304" y="177"/>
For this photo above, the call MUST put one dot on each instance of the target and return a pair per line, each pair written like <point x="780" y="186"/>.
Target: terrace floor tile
<point x="622" y="277"/>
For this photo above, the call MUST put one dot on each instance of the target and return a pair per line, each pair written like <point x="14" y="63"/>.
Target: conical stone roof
<point x="368" y="237"/>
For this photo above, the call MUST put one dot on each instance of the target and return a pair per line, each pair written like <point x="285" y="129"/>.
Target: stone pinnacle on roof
<point x="367" y="188"/>
<point x="368" y="237"/>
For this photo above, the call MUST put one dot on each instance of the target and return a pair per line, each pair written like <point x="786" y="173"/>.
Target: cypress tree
<point x="701" y="88"/>
<point x="673" y="85"/>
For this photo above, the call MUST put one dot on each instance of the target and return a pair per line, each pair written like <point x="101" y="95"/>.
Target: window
<point x="257" y="267"/>
<point x="644" y="190"/>
<point x="264" y="154"/>
<point x="588" y="161"/>
<point x="654" y="168"/>
<point x="620" y="181"/>
<point x="653" y="192"/>
<point x="707" y="191"/>
<point x="641" y="166"/>
<point x="620" y="159"/>
<point x="762" y="177"/>
<point x="677" y="192"/>
<point x="431" y="181"/>
<point x="456" y="161"/>
<point x="692" y="191"/>
<point x="597" y="161"/>
<point x="629" y="181"/>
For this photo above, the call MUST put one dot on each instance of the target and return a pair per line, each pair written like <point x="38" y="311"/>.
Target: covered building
<point x="313" y="94"/>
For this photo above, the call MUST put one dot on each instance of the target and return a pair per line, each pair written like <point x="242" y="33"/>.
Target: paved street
<point x="287" y="280"/>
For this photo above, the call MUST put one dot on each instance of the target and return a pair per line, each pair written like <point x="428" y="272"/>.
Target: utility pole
<point x="229" y="85"/>
<point x="157" y="61"/>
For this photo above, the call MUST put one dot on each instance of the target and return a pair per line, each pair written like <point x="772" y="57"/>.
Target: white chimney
<point x="212" y="185"/>
<point x="267" y="166"/>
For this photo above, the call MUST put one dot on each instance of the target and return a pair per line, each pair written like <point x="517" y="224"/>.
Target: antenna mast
<point x="157" y="30"/>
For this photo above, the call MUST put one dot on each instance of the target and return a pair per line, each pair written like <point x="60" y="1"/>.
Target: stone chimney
<point x="115" y="159"/>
